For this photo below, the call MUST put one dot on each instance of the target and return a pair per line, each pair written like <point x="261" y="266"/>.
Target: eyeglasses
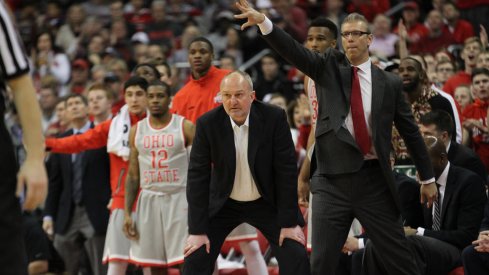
<point x="354" y="34"/>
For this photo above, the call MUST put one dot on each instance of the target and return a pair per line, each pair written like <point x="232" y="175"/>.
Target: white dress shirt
<point x="244" y="187"/>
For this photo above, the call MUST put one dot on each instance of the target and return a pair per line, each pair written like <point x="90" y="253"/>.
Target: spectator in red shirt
<point x="415" y="30"/>
<point x="472" y="47"/>
<point x="475" y="115"/>
<point x="437" y="37"/>
<point x="460" y="29"/>
<point x="294" y="17"/>
<point x="369" y="9"/>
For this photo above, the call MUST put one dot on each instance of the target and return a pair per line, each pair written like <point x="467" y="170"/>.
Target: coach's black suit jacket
<point x="462" y="209"/>
<point x="95" y="188"/>
<point x="464" y="157"/>
<point x="271" y="158"/>
<point x="336" y="150"/>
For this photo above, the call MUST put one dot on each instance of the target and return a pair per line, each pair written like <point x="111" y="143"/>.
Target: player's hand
<point x="129" y="228"/>
<point x="303" y="193"/>
<point x="294" y="233"/>
<point x="32" y="175"/>
<point x="247" y="12"/>
<point x="48" y="227"/>
<point x="194" y="242"/>
<point x="429" y="194"/>
<point x="109" y="205"/>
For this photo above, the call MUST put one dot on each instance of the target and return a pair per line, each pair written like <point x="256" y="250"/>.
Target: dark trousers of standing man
<point x="291" y="256"/>
<point x="81" y="235"/>
<point x="13" y="259"/>
<point x="365" y="195"/>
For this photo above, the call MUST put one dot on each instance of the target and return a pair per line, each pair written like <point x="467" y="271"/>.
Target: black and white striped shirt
<point x="13" y="60"/>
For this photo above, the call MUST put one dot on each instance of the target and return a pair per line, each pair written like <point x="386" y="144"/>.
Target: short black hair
<point x="162" y="84"/>
<point x="136" y="81"/>
<point x="478" y="71"/>
<point x="202" y="39"/>
<point x="153" y="68"/>
<point x="441" y="119"/>
<point x="326" y="23"/>
<point x="82" y="97"/>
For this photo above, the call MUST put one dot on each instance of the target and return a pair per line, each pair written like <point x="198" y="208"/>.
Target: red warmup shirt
<point x="462" y="30"/>
<point x="93" y="139"/>
<point x="456" y="80"/>
<point x="464" y="4"/>
<point x="478" y="111"/>
<point x="199" y="96"/>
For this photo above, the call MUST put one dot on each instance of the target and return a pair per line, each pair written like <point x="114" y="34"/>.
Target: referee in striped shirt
<point x="31" y="177"/>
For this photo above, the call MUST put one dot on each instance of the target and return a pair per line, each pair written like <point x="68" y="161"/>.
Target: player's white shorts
<point x="116" y="244"/>
<point x="161" y="221"/>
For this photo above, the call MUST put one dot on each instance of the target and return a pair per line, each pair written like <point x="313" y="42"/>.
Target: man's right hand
<point x="48" y="227"/>
<point x="429" y="194"/>
<point x="247" y="12"/>
<point x="194" y="242"/>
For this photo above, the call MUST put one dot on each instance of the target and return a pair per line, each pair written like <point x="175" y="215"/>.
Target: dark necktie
<point x="77" y="176"/>
<point x="437" y="212"/>
<point x="358" y="116"/>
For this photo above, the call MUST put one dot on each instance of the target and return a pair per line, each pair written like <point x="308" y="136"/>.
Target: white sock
<point x="255" y="263"/>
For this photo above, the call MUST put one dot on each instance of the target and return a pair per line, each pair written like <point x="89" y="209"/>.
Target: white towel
<point x="118" y="142"/>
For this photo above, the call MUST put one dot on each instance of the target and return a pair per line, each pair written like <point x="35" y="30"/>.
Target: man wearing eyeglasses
<point x="358" y="104"/>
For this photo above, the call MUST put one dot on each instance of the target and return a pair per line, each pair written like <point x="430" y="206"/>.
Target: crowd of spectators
<point x="74" y="45"/>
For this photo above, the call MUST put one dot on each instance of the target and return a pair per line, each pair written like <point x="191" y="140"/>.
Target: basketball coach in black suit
<point x="243" y="169"/>
<point x="358" y="104"/>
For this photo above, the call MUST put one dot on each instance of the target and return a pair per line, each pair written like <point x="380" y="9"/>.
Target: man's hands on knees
<point x="194" y="242"/>
<point x="294" y="233"/>
<point x="129" y="228"/>
<point x="429" y="194"/>
<point x="247" y="12"/>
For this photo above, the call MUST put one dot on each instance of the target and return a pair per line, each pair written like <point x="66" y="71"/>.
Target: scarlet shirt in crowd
<point x="480" y="140"/>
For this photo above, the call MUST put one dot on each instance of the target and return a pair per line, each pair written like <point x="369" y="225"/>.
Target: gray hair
<point x="356" y="17"/>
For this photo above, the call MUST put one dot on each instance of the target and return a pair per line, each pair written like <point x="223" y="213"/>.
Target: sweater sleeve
<point x="92" y="139"/>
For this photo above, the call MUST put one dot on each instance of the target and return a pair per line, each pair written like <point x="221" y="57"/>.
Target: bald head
<point x="237" y="95"/>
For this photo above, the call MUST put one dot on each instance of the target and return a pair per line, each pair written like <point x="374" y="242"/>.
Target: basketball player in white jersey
<point x="321" y="35"/>
<point x="158" y="164"/>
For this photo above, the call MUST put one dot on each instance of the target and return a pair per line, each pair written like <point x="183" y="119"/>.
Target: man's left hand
<point x="294" y="233"/>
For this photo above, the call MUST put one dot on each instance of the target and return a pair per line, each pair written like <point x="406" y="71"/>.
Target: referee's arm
<point x="14" y="68"/>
